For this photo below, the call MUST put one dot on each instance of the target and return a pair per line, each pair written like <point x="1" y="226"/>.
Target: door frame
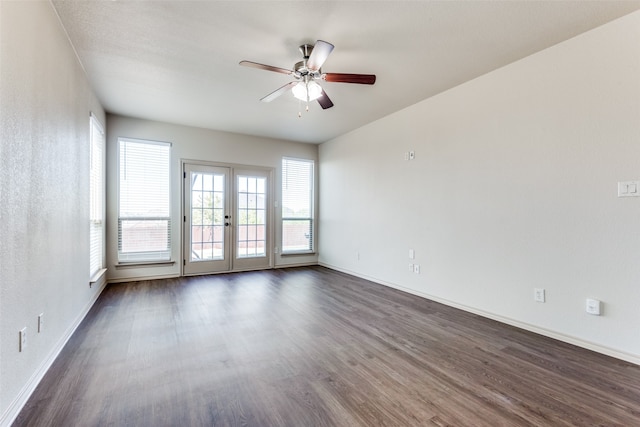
<point x="270" y="212"/>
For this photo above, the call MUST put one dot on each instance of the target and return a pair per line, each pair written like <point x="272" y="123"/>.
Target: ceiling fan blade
<point x="319" y="54"/>
<point x="363" y="79"/>
<point x="276" y="93"/>
<point x="324" y="101"/>
<point x="265" y="67"/>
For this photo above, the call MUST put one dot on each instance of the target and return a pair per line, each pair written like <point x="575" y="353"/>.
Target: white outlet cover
<point x="539" y="295"/>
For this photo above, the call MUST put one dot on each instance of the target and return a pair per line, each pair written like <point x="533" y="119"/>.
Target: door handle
<point x="226" y="224"/>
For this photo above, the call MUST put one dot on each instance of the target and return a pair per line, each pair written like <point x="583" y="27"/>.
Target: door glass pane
<point x="207" y="216"/>
<point x="251" y="241"/>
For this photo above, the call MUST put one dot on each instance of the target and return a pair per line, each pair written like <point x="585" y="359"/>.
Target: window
<point x="96" y="198"/>
<point x="297" y="206"/>
<point x="144" y="221"/>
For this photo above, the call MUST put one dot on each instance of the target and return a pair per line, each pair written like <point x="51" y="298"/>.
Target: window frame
<point x="97" y="199"/>
<point x="310" y="218"/>
<point x="145" y="256"/>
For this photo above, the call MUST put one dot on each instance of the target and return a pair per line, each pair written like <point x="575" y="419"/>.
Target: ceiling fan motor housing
<point x="301" y="71"/>
<point x="300" y="68"/>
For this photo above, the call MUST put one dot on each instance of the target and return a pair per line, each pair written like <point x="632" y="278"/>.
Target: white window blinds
<point x="144" y="221"/>
<point x="297" y="205"/>
<point x="96" y="197"/>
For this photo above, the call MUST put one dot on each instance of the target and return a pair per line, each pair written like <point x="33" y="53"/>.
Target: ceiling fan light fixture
<point x="307" y="91"/>
<point x="314" y="90"/>
<point x="300" y="91"/>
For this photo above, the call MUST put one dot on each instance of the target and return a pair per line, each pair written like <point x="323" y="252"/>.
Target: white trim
<point x="96" y="277"/>
<point x="145" y="141"/>
<point x="622" y="355"/>
<point x="142" y="278"/>
<point x="144" y="264"/>
<point x="14" y="408"/>
<point x="97" y="121"/>
<point x="298" y="264"/>
<point x="97" y="197"/>
<point x="299" y="253"/>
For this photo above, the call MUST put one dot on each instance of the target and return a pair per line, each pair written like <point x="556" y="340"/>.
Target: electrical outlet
<point x="411" y="268"/>
<point x="416" y="268"/>
<point x="23" y="339"/>
<point x="41" y="322"/>
<point x="538" y="295"/>
<point x="412" y="254"/>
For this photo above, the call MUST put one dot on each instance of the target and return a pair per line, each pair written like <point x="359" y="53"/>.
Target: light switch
<point x="629" y="189"/>
<point x="594" y="306"/>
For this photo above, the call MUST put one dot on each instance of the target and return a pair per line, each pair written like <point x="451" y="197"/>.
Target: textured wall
<point x="45" y="103"/>
<point x="514" y="187"/>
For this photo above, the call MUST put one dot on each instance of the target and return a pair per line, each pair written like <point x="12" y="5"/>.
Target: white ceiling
<point x="177" y="61"/>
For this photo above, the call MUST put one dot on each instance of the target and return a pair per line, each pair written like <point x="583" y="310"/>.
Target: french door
<point x="227" y="223"/>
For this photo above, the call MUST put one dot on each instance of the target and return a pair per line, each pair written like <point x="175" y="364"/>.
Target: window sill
<point x="144" y="264"/>
<point x="96" y="277"/>
<point x="286" y="254"/>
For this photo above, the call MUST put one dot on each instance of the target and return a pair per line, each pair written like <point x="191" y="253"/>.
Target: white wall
<point x="514" y="186"/>
<point x="45" y="102"/>
<point x="190" y="143"/>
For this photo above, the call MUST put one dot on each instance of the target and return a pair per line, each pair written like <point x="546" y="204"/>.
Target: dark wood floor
<point x="313" y="347"/>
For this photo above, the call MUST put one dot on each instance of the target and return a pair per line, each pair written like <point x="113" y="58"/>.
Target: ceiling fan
<point x="307" y="72"/>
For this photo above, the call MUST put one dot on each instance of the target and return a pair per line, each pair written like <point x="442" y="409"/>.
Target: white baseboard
<point x="628" y="357"/>
<point x="142" y="278"/>
<point x="10" y="415"/>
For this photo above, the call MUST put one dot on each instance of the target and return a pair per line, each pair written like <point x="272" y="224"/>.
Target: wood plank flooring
<point x="314" y="347"/>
